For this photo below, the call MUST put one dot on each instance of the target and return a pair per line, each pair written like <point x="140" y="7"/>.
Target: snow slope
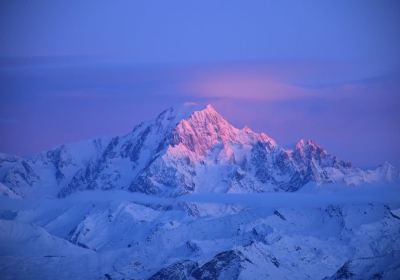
<point x="117" y="235"/>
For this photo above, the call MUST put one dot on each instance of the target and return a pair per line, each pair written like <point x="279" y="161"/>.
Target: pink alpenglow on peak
<point x="186" y="149"/>
<point x="206" y="128"/>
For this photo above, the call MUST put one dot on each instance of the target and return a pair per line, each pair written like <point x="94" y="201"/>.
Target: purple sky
<point x="328" y="71"/>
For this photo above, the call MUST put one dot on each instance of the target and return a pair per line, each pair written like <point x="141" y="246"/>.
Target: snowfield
<point x="312" y="234"/>
<point x="189" y="196"/>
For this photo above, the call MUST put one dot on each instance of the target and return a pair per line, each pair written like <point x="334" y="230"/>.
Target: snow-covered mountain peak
<point x="204" y="115"/>
<point x="189" y="148"/>
<point x="194" y="113"/>
<point x="206" y="128"/>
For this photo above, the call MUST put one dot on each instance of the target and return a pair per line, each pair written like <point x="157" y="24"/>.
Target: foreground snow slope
<point x="189" y="149"/>
<point x="117" y="235"/>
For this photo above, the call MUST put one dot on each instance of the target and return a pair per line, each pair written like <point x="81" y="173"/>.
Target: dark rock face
<point x="59" y="160"/>
<point x="288" y="170"/>
<point x="20" y="175"/>
<point x="165" y="174"/>
<point x="343" y="273"/>
<point x="93" y="175"/>
<point x="177" y="271"/>
<point x="225" y="265"/>
<point x="383" y="267"/>
<point x="278" y="214"/>
<point x="132" y="149"/>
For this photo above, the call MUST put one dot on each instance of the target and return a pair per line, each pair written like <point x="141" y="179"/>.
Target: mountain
<point x="188" y="149"/>
<point x="115" y="208"/>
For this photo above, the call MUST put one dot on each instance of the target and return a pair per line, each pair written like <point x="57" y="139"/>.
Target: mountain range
<point x="188" y="196"/>
<point x="188" y="149"/>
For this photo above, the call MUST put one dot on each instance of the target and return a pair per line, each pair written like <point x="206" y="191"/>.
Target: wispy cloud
<point x="244" y="85"/>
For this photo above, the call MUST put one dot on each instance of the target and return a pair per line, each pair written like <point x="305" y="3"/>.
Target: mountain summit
<point x="186" y="149"/>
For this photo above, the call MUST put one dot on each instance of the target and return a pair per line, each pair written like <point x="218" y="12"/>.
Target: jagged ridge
<point x="185" y="149"/>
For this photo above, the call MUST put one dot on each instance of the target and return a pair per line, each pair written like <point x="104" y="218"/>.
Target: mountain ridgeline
<point x="189" y="149"/>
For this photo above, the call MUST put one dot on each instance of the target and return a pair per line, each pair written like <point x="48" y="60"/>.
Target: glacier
<point x="189" y="196"/>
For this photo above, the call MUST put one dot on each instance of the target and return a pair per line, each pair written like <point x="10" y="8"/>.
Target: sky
<point x="322" y="70"/>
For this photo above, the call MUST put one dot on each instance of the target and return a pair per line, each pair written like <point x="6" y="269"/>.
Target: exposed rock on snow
<point x="184" y="150"/>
